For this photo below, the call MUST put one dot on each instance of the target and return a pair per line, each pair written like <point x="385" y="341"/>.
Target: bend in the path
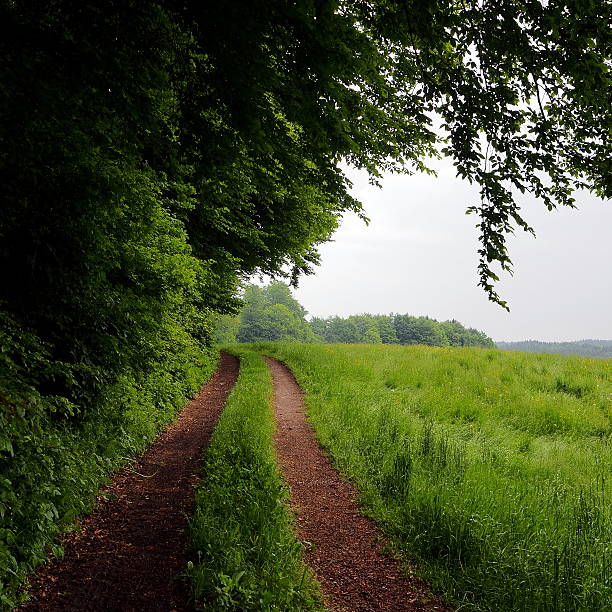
<point x="128" y="552"/>
<point x="346" y="553"/>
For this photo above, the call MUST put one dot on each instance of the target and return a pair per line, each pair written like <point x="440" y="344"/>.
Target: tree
<point x="419" y="330"/>
<point x="226" y="329"/>
<point x="521" y="90"/>
<point x="281" y="324"/>
<point x="372" y="335"/>
<point x="319" y="327"/>
<point x="342" y="330"/>
<point x="386" y="329"/>
<point x="279" y="293"/>
<point x="252" y="325"/>
<point x="147" y="168"/>
<point x="272" y="313"/>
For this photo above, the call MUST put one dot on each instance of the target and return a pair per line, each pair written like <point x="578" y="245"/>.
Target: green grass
<point x="242" y="531"/>
<point x="492" y="469"/>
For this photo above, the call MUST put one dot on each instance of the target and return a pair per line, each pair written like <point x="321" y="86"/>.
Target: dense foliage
<point x="153" y="153"/>
<point x="272" y="313"/>
<point x="491" y="469"/>
<point x="587" y="348"/>
<point x="55" y="453"/>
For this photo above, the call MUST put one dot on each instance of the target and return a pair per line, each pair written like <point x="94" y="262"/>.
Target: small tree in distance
<point x="272" y="313"/>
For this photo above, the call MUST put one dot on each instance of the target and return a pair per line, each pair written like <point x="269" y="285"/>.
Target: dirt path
<point x="128" y="552"/>
<point x="346" y="553"/>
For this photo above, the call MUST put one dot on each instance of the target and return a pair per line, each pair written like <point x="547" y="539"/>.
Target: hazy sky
<point x="419" y="256"/>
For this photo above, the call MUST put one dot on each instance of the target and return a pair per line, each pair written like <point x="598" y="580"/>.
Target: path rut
<point x="346" y="548"/>
<point x="127" y="554"/>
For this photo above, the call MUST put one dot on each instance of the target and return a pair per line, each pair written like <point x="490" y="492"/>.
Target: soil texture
<point x="344" y="548"/>
<point x="128" y="554"/>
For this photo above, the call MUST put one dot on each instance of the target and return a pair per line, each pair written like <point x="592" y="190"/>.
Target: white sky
<point x="419" y="256"/>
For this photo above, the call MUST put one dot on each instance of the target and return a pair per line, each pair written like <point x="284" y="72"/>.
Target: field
<point x="490" y="469"/>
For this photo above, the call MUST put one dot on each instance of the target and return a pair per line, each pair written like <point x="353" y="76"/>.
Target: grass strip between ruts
<point x="242" y="536"/>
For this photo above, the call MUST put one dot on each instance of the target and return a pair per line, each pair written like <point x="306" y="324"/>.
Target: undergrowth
<point x="55" y="453"/>
<point x="492" y="469"/>
<point x="246" y="554"/>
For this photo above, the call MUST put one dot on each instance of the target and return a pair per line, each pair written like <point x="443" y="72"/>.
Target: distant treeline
<point x="586" y="348"/>
<point x="272" y="313"/>
<point x="397" y="329"/>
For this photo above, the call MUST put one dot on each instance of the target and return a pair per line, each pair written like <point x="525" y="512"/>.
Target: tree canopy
<point x="230" y="120"/>
<point x="268" y="313"/>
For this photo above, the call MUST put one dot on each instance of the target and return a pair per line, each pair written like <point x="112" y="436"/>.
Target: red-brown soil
<point x="128" y="553"/>
<point x="344" y="548"/>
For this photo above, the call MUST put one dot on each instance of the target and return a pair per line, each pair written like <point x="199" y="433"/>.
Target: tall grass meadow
<point x="491" y="469"/>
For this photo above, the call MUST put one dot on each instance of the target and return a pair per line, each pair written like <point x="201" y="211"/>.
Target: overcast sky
<point x="419" y="256"/>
